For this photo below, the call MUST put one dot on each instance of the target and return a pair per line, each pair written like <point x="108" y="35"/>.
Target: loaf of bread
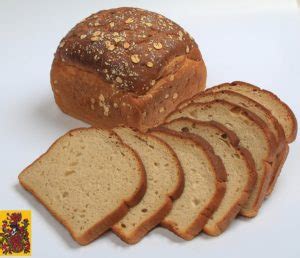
<point x="165" y="182"/>
<point x="205" y="184"/>
<point x="254" y="135"/>
<point x="126" y="66"/>
<point x="238" y="163"/>
<point x="87" y="179"/>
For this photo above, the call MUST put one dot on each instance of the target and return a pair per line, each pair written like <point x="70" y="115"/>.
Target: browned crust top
<point x="128" y="47"/>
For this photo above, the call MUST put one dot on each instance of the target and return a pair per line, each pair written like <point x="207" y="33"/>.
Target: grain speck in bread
<point x="87" y="179"/>
<point x="116" y="67"/>
<point x="254" y="135"/>
<point x="238" y="162"/>
<point x="165" y="182"/>
<point x="205" y="185"/>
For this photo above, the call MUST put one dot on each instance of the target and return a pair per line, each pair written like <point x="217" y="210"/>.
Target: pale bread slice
<point x="238" y="162"/>
<point x="87" y="179"/>
<point x="263" y="113"/>
<point x="253" y="134"/>
<point x="269" y="100"/>
<point x="165" y="182"/>
<point x="205" y="185"/>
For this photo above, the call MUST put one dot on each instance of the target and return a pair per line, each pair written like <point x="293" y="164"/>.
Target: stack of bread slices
<point x="217" y="156"/>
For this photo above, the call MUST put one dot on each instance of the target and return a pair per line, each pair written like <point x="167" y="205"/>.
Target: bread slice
<point x="165" y="182"/>
<point x="278" y="108"/>
<point x="238" y="162"/>
<point x="263" y="113"/>
<point x="253" y="135"/>
<point x="87" y="179"/>
<point x="205" y="185"/>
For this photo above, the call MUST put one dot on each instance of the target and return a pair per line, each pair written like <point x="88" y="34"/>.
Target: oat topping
<point x="120" y="39"/>
<point x="126" y="45"/>
<point x="150" y="64"/>
<point x="119" y="80"/>
<point x="180" y="33"/>
<point x="97" y="33"/>
<point x="152" y="82"/>
<point x="135" y="58"/>
<point x="175" y="95"/>
<point x="95" y="38"/>
<point x="162" y="109"/>
<point x="171" y="77"/>
<point x="187" y="50"/>
<point x="157" y="45"/>
<point x="129" y="20"/>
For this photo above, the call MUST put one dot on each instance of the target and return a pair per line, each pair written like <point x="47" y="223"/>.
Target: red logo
<point x="14" y="237"/>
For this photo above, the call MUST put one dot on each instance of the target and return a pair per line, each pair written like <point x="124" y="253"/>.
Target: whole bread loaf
<point x="126" y="66"/>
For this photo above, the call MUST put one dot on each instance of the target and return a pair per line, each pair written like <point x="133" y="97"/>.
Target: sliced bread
<point x="263" y="113"/>
<point x="254" y="136"/>
<point x="165" y="182"/>
<point x="204" y="183"/>
<point x="87" y="179"/>
<point x="238" y="162"/>
<point x="278" y="108"/>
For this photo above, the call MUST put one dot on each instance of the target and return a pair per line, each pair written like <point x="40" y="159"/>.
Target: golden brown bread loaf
<point x="126" y="66"/>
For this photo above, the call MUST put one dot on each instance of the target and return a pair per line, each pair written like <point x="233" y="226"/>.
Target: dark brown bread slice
<point x="263" y="113"/>
<point x="205" y="185"/>
<point x="253" y="134"/>
<point x="238" y="162"/>
<point x="269" y="100"/>
<point x="87" y="179"/>
<point x="165" y="182"/>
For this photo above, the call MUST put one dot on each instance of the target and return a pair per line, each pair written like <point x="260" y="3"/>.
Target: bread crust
<point x="220" y="175"/>
<point x="138" y="92"/>
<point x="280" y="139"/>
<point x="161" y="212"/>
<point x="104" y="224"/>
<point x="282" y="158"/>
<point x="252" y="175"/>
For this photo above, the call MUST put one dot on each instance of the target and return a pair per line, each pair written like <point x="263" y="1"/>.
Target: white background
<point x="254" y="41"/>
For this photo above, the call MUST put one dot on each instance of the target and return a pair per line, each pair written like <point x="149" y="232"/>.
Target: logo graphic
<point x="15" y="233"/>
